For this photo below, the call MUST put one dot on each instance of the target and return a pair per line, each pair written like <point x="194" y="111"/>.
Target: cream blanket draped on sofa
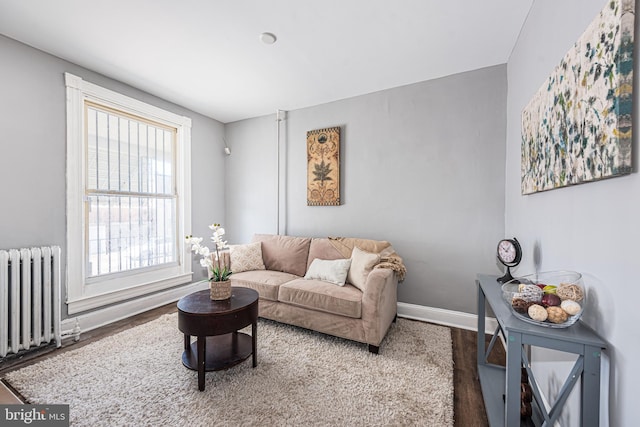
<point x="388" y="256"/>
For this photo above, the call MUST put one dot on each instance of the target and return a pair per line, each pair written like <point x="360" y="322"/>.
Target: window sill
<point x="86" y="303"/>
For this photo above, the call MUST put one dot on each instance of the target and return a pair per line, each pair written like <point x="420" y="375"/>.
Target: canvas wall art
<point x="577" y="127"/>
<point x="323" y="167"/>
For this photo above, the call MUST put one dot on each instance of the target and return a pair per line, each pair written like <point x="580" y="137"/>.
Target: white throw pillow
<point x="362" y="263"/>
<point x="332" y="271"/>
<point x="246" y="257"/>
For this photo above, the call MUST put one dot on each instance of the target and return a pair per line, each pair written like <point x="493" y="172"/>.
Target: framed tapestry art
<point x="323" y="167"/>
<point x="577" y="127"/>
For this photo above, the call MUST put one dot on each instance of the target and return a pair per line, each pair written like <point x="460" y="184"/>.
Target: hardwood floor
<point x="467" y="396"/>
<point x="468" y="404"/>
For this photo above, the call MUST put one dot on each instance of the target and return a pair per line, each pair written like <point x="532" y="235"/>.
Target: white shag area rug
<point x="303" y="378"/>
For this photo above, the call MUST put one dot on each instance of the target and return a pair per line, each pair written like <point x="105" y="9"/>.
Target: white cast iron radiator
<point x="29" y="298"/>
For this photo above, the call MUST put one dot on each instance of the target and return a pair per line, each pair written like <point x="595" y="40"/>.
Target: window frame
<point x="83" y="294"/>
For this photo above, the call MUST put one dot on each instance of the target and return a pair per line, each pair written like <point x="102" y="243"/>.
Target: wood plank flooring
<point x="468" y="404"/>
<point x="467" y="396"/>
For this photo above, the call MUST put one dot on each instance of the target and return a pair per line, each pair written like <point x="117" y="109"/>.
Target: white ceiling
<point x="206" y="56"/>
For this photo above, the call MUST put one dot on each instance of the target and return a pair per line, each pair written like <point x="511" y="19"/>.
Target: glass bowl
<point x="553" y="299"/>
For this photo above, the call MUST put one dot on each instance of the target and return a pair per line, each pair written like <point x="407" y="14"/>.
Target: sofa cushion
<point x="284" y="253"/>
<point x="246" y="257"/>
<point x="322" y="296"/>
<point x="332" y="271"/>
<point x="266" y="282"/>
<point x="362" y="263"/>
<point x="321" y="248"/>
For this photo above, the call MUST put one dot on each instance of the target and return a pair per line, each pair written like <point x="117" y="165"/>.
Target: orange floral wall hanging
<point x="323" y="167"/>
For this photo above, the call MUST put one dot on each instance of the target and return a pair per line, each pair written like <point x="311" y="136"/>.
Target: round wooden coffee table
<point x="219" y="345"/>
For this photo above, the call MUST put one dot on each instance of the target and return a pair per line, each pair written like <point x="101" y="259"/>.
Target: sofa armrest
<point x="379" y="304"/>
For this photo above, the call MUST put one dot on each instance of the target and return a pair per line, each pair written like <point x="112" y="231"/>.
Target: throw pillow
<point x="284" y="253"/>
<point x="322" y="248"/>
<point x="332" y="271"/>
<point x="361" y="265"/>
<point x="246" y="257"/>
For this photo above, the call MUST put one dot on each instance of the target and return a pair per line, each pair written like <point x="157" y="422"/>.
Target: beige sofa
<point x="343" y="311"/>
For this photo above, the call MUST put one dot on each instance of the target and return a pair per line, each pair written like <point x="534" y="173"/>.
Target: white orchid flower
<point x="216" y="227"/>
<point x="194" y="240"/>
<point x="217" y="239"/>
<point x="207" y="260"/>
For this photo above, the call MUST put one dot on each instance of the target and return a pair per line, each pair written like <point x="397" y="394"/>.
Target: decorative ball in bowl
<point x="554" y="299"/>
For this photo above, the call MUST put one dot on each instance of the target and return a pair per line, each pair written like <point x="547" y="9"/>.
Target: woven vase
<point x="220" y="290"/>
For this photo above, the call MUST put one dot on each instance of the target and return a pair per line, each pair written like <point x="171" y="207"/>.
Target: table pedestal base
<point x="219" y="351"/>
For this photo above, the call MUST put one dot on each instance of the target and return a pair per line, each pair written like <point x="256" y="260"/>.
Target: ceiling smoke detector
<point x="268" y="38"/>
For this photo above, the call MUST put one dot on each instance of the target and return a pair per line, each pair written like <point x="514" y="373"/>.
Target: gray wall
<point x="591" y="228"/>
<point x="33" y="149"/>
<point x="422" y="167"/>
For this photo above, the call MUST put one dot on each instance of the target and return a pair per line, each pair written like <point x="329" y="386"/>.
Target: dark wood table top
<point x="199" y="303"/>
<point x="199" y="315"/>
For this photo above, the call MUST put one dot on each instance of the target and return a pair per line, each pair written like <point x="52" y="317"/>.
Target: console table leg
<point x="480" y="347"/>
<point x="513" y="377"/>
<point x="590" y="389"/>
<point x="202" y="346"/>
<point x="187" y="343"/>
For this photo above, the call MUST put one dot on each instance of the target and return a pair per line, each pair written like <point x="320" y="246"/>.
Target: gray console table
<point x="501" y="385"/>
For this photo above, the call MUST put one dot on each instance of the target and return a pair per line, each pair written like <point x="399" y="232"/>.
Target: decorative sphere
<point x="570" y="307"/>
<point x="537" y="312"/>
<point x="570" y="291"/>
<point x="550" y="300"/>
<point x="557" y="315"/>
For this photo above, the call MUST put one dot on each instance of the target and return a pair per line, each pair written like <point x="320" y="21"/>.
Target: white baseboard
<point x="98" y="318"/>
<point x="456" y="319"/>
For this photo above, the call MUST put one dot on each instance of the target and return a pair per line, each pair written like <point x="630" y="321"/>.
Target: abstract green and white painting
<point x="577" y="127"/>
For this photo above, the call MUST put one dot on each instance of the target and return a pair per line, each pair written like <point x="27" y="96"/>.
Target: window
<point x="127" y="197"/>
<point x="130" y="192"/>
